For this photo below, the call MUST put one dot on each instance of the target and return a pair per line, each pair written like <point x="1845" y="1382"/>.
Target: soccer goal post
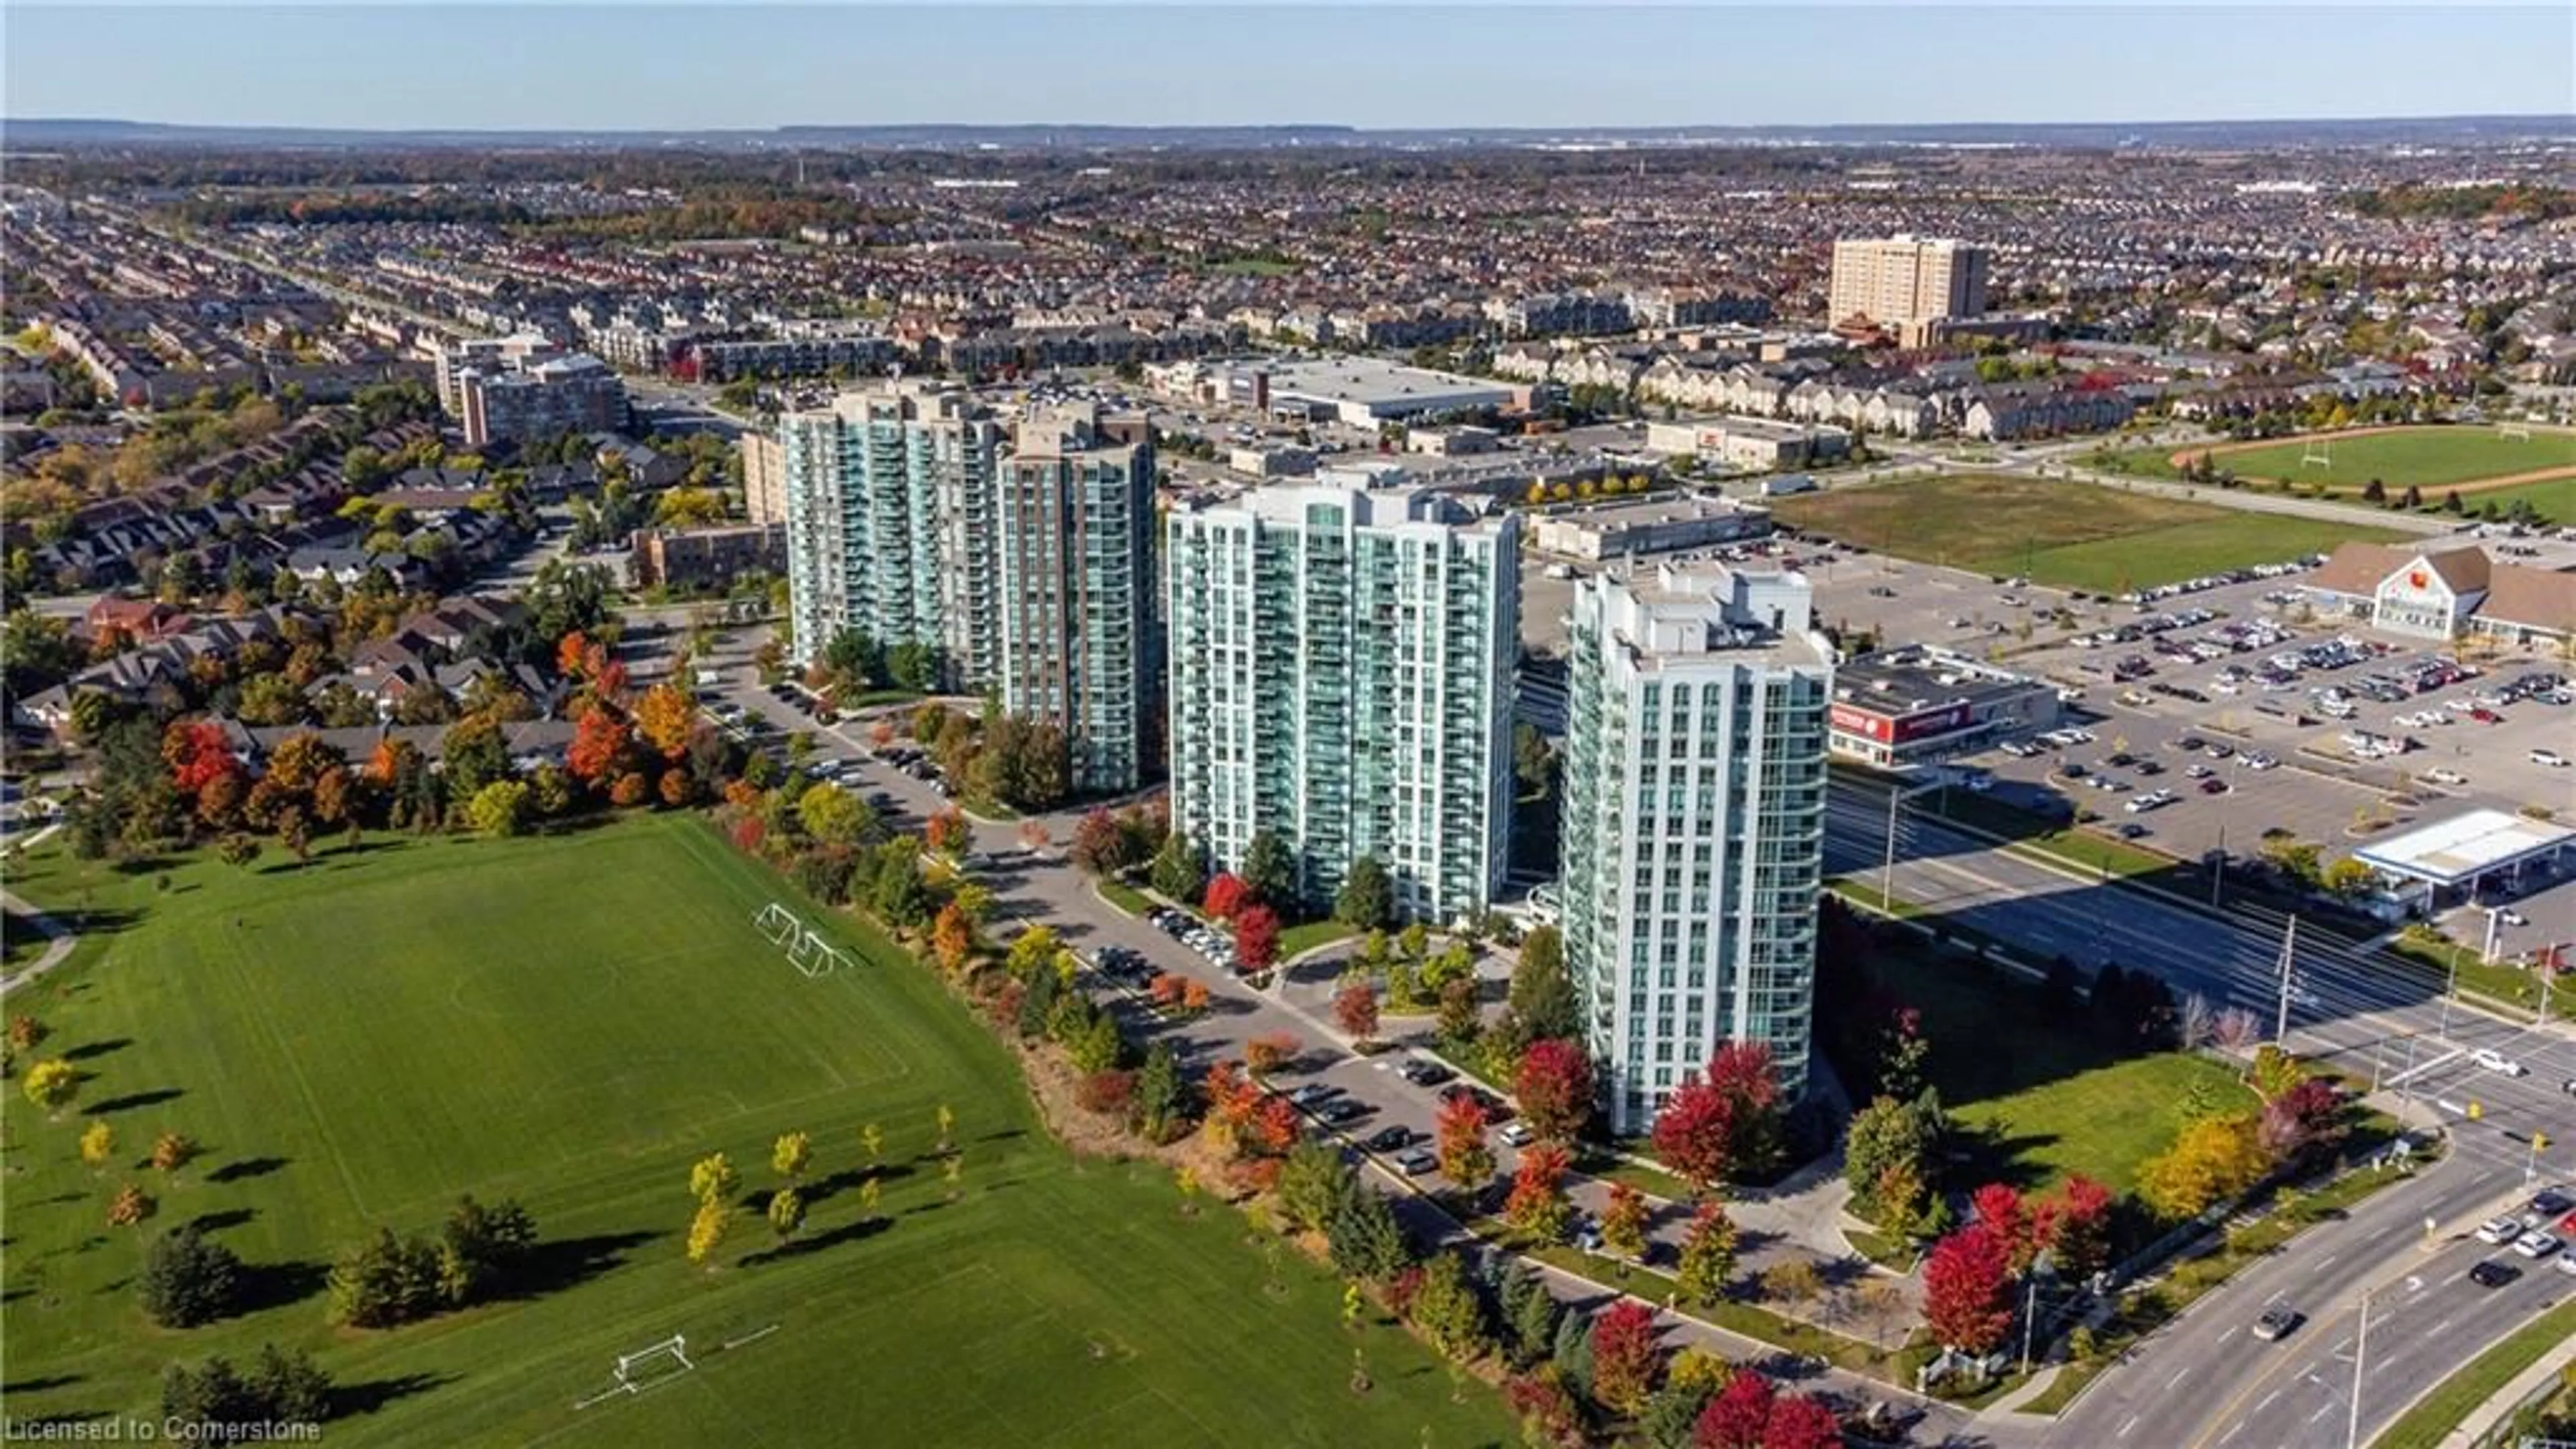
<point x="777" y="923"/>
<point x="645" y="1368"/>
<point x="2515" y="432"/>
<point x="2317" y="455"/>
<point x="810" y="955"/>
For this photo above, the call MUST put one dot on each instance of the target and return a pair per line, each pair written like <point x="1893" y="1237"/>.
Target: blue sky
<point x="628" y="66"/>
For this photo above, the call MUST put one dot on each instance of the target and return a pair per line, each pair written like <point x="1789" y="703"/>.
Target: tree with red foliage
<point x="2080" y="1227"/>
<point x="1626" y="1359"/>
<point x="1274" y="1127"/>
<point x="1537" y="1205"/>
<point x="600" y="744"/>
<point x="1745" y="1078"/>
<point x="1801" y="1421"/>
<point x="1737" y="1417"/>
<point x="1967" y="1290"/>
<point x="1256" y="938"/>
<point x="1459" y="1130"/>
<point x="196" y="752"/>
<point x="1109" y="1093"/>
<point x="1999" y="1207"/>
<point x="1554" y="1084"/>
<point x="748" y="832"/>
<point x="1226" y="894"/>
<point x="1544" y="1407"/>
<point x="2300" y="1120"/>
<point x="1099" y="845"/>
<point x="1355" y="1008"/>
<point x="1692" y="1132"/>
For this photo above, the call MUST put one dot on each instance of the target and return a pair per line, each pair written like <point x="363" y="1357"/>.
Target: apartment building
<point x="1340" y="675"/>
<point x="764" y="478"/>
<point x="1693" y="835"/>
<point x="890" y="517"/>
<point x="572" y="393"/>
<point x="1901" y="279"/>
<point x="1077" y="607"/>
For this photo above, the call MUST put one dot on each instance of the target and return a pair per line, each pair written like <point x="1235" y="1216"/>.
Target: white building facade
<point x="1693" y="834"/>
<point x="1341" y="675"/>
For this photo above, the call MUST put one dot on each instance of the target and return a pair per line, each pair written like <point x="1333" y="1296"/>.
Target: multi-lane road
<point x="2204" y="1381"/>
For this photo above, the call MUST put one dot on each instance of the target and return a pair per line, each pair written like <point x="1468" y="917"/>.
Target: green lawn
<point x="572" y="1021"/>
<point x="1297" y="940"/>
<point x="2554" y="500"/>
<point x="1125" y="897"/>
<point x="2063" y="534"/>
<point x="2428" y="457"/>
<point x="2057" y="1101"/>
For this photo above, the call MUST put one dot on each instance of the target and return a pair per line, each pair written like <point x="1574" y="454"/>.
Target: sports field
<point x="2399" y="457"/>
<point x="2067" y="535"/>
<point x="571" y="1021"/>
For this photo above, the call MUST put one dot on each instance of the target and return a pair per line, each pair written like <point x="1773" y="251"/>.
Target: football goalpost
<point x="812" y="955"/>
<point x="2318" y="454"/>
<point x="646" y="1368"/>
<point x="2515" y="432"/>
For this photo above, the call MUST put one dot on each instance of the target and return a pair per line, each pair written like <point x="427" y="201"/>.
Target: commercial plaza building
<point x="890" y="520"/>
<point x="1340" y="675"/>
<point x="1077" y="603"/>
<point x="1693" y="834"/>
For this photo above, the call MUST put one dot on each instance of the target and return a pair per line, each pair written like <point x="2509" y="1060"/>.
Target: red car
<point x="2486" y="716"/>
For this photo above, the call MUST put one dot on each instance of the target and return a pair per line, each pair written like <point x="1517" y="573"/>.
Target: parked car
<point x="1425" y="1073"/>
<point x="1518" y="1134"/>
<point x="1390" y="1139"/>
<point x="1342" y="1111"/>
<point x="1419" y="1162"/>
<point x="2551" y="758"/>
<point x="1314" y="1094"/>
<point x="2535" y="1244"/>
<point x="2500" y="1230"/>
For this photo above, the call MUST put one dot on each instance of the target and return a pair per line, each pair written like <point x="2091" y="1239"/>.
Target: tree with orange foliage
<point x="1537" y="1205"/>
<point x="881" y="733"/>
<point x="572" y="655"/>
<point x="677" y="788"/>
<point x="1226" y="894"/>
<point x="946" y="832"/>
<point x="1465" y="1159"/>
<point x="1623" y="1221"/>
<point x="387" y="763"/>
<point x="629" y="791"/>
<point x="664" y="718"/>
<point x="952" y="938"/>
<point x="219" y="800"/>
<point x="1194" y="996"/>
<point x="1270" y="1051"/>
<point x="600" y="744"/>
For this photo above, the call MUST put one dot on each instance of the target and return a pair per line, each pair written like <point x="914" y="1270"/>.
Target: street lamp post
<point x="2360" y="1354"/>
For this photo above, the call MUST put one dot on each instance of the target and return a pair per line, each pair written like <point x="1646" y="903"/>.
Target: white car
<point x="2567" y="1262"/>
<point x="2535" y="1244"/>
<point x="2500" y="1230"/>
<point x="2446" y="777"/>
<point x="2551" y="758"/>
<point x="2496" y="1061"/>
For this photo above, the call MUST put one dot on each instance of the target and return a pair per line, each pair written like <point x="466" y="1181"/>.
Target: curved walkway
<point x="59" y="941"/>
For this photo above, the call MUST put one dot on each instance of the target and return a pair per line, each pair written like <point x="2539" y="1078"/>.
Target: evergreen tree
<point x="188" y="1278"/>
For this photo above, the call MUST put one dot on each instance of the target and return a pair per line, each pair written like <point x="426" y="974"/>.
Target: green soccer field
<point x="2422" y="457"/>
<point x="2061" y="534"/>
<point x="571" y="1021"/>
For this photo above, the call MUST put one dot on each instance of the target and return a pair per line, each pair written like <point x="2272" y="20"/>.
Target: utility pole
<point x="1887" y="867"/>
<point x="2281" y="1022"/>
<point x="2360" y="1354"/>
<point x="2029" y="1322"/>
